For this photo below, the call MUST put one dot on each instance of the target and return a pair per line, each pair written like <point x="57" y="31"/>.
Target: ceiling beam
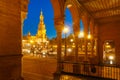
<point x="83" y="6"/>
<point x="118" y="15"/>
<point x="87" y="1"/>
<point x="108" y="9"/>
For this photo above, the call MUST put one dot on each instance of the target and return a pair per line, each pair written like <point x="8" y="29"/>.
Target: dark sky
<point x="32" y="20"/>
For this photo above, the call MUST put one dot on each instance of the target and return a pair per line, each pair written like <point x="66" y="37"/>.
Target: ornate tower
<point x="29" y="35"/>
<point x="41" y="34"/>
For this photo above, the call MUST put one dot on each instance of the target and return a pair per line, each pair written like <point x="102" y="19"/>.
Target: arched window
<point x="109" y="52"/>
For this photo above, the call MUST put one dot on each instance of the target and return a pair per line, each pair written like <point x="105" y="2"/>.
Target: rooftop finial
<point x="41" y="11"/>
<point x="41" y="16"/>
<point x="29" y="34"/>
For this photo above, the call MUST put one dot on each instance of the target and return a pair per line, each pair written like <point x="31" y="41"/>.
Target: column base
<point x="57" y="75"/>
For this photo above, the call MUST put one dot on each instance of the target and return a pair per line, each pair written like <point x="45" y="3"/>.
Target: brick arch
<point x="74" y="14"/>
<point x="81" y="21"/>
<point x="73" y="10"/>
<point x="58" y="7"/>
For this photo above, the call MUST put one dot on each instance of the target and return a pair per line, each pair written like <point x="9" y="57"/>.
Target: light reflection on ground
<point x="66" y="77"/>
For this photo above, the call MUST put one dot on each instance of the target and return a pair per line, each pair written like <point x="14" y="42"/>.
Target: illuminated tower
<point x="41" y="34"/>
<point x="29" y="35"/>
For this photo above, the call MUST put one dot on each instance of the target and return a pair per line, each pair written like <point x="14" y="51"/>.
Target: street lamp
<point x="71" y="40"/>
<point x="81" y="34"/>
<point x="89" y="36"/>
<point x="65" y="32"/>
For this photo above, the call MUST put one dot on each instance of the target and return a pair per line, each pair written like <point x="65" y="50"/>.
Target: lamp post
<point x="65" y="32"/>
<point x="81" y="36"/>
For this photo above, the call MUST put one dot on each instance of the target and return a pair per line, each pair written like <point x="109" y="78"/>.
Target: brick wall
<point x="10" y="40"/>
<point x="109" y="31"/>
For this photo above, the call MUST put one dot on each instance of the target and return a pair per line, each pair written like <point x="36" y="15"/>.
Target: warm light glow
<point x="66" y="77"/>
<point x="69" y="50"/>
<point x="108" y="46"/>
<point x="71" y="40"/>
<point x="55" y="46"/>
<point x="23" y="40"/>
<point x="107" y="42"/>
<point x="44" y="53"/>
<point x="111" y="57"/>
<point x="34" y="51"/>
<point x="34" y="46"/>
<point x="88" y="43"/>
<point x="89" y="36"/>
<point x="28" y="51"/>
<point x="28" y="45"/>
<point x="69" y="5"/>
<point x="73" y="46"/>
<point x="81" y="34"/>
<point x="31" y="41"/>
<point x="111" y="62"/>
<point x="65" y="30"/>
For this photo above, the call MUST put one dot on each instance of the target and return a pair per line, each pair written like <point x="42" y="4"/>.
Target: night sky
<point x="32" y="20"/>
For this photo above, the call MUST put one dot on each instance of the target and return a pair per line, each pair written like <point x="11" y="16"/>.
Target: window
<point x="109" y="52"/>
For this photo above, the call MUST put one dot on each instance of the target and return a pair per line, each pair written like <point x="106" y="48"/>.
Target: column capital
<point x="23" y="16"/>
<point x="59" y="20"/>
<point x="85" y="18"/>
<point x="96" y="31"/>
<point x="92" y="27"/>
<point x="91" y="20"/>
<point x="24" y="5"/>
<point x="24" y="10"/>
<point x="86" y="15"/>
<point x="59" y="23"/>
<point x="76" y="28"/>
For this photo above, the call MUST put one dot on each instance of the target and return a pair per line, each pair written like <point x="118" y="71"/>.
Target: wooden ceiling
<point x="100" y="8"/>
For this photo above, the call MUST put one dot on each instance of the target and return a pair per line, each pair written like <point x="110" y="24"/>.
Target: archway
<point x="36" y="47"/>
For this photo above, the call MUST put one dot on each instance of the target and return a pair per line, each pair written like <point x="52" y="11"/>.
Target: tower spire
<point x="29" y="34"/>
<point x="41" y="27"/>
<point x="41" y="11"/>
<point x="41" y="16"/>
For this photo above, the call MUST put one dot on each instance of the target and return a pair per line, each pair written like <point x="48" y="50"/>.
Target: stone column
<point x="96" y="40"/>
<point x="10" y="40"/>
<point x="24" y="12"/>
<point x="59" y="25"/>
<point x="76" y="29"/>
<point x="85" y="22"/>
<point x="117" y="56"/>
<point x="23" y="17"/>
<point x="92" y="36"/>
